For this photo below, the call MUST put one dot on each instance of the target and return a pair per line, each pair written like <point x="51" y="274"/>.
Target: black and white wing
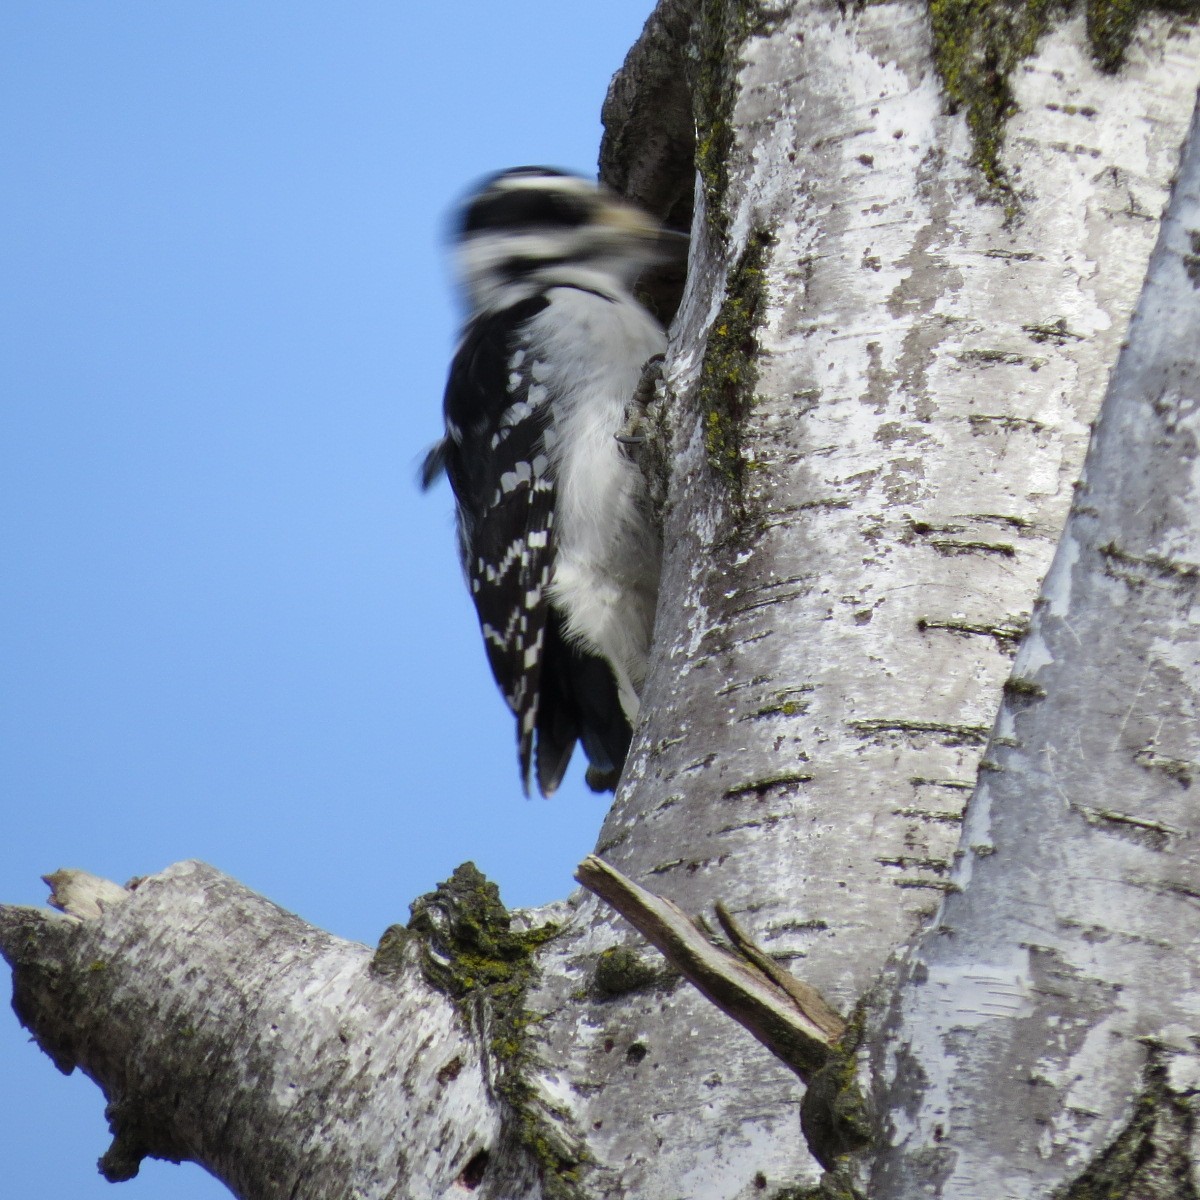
<point x="493" y="453"/>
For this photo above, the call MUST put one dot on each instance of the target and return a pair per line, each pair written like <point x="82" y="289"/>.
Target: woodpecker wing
<point x="496" y="413"/>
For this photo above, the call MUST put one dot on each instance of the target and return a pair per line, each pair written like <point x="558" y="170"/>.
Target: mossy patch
<point x="833" y="1113"/>
<point x="834" y="1185"/>
<point x="619" y="971"/>
<point x="723" y="28"/>
<point x="468" y="949"/>
<point x="979" y="43"/>
<point x="1111" y="25"/>
<point x="1018" y="688"/>
<point x="729" y="373"/>
<point x="1151" y="1157"/>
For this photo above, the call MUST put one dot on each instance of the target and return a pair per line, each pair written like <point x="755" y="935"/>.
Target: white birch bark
<point x="226" y="1031"/>
<point x="1054" y="1006"/>
<point x="915" y="380"/>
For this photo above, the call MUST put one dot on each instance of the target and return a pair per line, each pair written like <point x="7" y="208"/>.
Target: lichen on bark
<point x="470" y="951"/>
<point x="723" y="29"/>
<point x="977" y="44"/>
<point x="1151" y="1157"/>
<point x="729" y="372"/>
<point x="1111" y="25"/>
<point x="620" y="971"/>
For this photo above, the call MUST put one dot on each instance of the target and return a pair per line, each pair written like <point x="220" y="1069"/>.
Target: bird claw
<point x="652" y="374"/>
<point x="633" y="433"/>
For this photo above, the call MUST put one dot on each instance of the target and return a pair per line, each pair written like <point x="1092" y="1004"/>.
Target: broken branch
<point x="795" y="1024"/>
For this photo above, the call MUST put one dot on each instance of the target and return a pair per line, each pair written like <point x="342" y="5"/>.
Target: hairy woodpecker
<point x="559" y="547"/>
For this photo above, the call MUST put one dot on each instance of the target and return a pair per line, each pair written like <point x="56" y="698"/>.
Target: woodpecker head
<point x="533" y="227"/>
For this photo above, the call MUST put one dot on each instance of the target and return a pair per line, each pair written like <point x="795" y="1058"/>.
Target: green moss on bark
<point x="620" y="971"/>
<point x="833" y="1113"/>
<point x="469" y="950"/>
<point x="724" y="27"/>
<point x="1151" y="1157"/>
<point x="834" y="1185"/>
<point x="729" y="372"/>
<point x="977" y="45"/>
<point x="1111" y="25"/>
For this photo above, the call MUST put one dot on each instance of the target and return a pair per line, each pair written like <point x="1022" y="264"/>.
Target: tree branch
<point x="790" y="1018"/>
<point x="225" y="1030"/>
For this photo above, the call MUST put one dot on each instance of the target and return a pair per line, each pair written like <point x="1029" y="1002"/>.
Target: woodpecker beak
<point x="633" y="224"/>
<point x="673" y="245"/>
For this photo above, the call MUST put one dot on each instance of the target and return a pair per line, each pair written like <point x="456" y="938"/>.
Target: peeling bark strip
<point x="1064" y="968"/>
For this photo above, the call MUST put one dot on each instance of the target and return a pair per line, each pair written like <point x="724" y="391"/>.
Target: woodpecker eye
<point x="526" y="207"/>
<point x="520" y="265"/>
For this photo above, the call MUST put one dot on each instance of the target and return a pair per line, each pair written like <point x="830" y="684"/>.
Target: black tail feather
<point x="578" y="702"/>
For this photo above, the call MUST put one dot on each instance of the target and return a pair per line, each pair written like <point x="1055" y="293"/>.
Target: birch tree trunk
<point x="918" y="237"/>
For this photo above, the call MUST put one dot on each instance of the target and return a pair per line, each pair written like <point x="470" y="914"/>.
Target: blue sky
<point x="230" y="626"/>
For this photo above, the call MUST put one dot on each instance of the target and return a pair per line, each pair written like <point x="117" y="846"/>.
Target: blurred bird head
<point x="530" y="228"/>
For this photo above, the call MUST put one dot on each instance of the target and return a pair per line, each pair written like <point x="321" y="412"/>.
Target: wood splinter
<point x="789" y="1017"/>
<point x="83" y="895"/>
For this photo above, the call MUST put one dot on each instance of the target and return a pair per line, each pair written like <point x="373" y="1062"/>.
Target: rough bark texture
<point x="914" y="260"/>
<point x="274" y="1055"/>
<point x="1055" y="1003"/>
<point x="882" y="388"/>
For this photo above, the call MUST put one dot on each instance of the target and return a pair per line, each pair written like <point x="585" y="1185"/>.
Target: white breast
<point x="590" y="350"/>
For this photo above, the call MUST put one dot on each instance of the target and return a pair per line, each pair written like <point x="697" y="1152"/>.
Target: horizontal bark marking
<point x="734" y="643"/>
<point x="789" y="708"/>
<point x="1005" y="519"/>
<point x="937" y="865"/>
<point x="755" y="823"/>
<point x="1006" y="634"/>
<point x="730" y="688"/>
<point x="949" y="547"/>
<point x="1152" y="834"/>
<point x="954" y="735"/>
<point x="664" y="744"/>
<point x="760" y="787"/>
<point x="788" y="702"/>
<point x="1135" y="569"/>
<point x="935" y="818"/>
<point x="1166" y="887"/>
<point x="765" y="585"/>
<point x="991" y="357"/>
<point x="1178" y="769"/>
<point x="663" y="867"/>
<point x="1014" y="255"/>
<point x="1053" y="331"/>
<point x="766" y="602"/>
